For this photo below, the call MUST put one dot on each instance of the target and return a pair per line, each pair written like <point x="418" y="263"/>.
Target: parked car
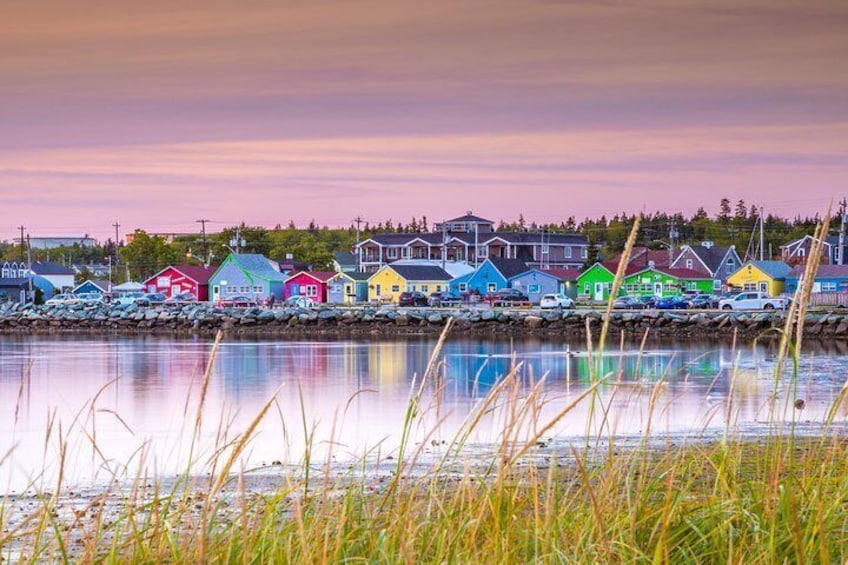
<point x="181" y="298"/>
<point x="672" y="303"/>
<point x="702" y="301"/>
<point x="64" y="299"/>
<point x="298" y="301"/>
<point x="90" y="297"/>
<point x="649" y="301"/>
<point x="752" y="301"/>
<point x="629" y="303"/>
<point x="127" y="297"/>
<point x="414" y="298"/>
<point x="509" y="297"/>
<point x="443" y="299"/>
<point x="151" y="299"/>
<point x="235" y="302"/>
<point x="556" y="301"/>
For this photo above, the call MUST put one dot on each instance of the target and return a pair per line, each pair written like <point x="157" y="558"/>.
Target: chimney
<point x="708" y="244"/>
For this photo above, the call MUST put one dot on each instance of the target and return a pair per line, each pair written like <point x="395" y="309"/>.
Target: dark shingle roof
<point x="421" y="272"/>
<point x="197" y="273"/>
<point x="405" y="238"/>
<point x="345" y="258"/>
<point x="824" y="272"/>
<point x="509" y="267"/>
<point x="50" y="269"/>
<point x="562" y="274"/>
<point x="536" y="237"/>
<point x="711" y="256"/>
<point x="469" y="217"/>
<point x="356" y="275"/>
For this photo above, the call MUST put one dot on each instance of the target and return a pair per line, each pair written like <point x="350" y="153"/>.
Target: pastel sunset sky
<point x="158" y="113"/>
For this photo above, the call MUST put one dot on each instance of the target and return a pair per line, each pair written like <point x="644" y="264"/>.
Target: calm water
<point x="136" y="398"/>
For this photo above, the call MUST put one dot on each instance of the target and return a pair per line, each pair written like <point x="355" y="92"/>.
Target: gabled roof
<point x="354" y="275"/>
<point x="320" y="276"/>
<point x="345" y="258"/>
<point x="14" y="283"/>
<point x="685" y="274"/>
<point x="469" y="217"/>
<point x="421" y="272"/>
<point x="562" y="274"/>
<point x="508" y="268"/>
<point x="257" y="264"/>
<point x="197" y="273"/>
<point x="824" y="272"/>
<point x="612" y="267"/>
<point x="48" y="269"/>
<point x="99" y="283"/>
<point x="404" y="238"/>
<point x="643" y="256"/>
<point x="712" y="257"/>
<point x="774" y="269"/>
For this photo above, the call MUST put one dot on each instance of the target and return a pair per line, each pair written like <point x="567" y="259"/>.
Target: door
<point x="764" y="287"/>
<point x="176" y="289"/>
<point x="599" y="291"/>
<point x="658" y="289"/>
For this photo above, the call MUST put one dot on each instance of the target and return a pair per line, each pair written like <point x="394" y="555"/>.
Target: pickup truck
<point x="752" y="301"/>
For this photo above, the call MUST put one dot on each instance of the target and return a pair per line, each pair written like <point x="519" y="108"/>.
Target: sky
<point x="156" y="114"/>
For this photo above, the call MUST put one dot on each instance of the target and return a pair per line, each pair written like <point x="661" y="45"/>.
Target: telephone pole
<point x="30" y="295"/>
<point x="357" y="220"/>
<point x="672" y="235"/>
<point x="840" y="252"/>
<point x="23" y="253"/>
<point x="762" y="235"/>
<point x="205" y="247"/>
<point x="116" y="225"/>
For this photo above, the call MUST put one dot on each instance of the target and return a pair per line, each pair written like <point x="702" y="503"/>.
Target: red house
<point x="309" y="283"/>
<point x="177" y="279"/>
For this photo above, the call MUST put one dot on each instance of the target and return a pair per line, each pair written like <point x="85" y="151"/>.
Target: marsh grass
<point x="773" y="498"/>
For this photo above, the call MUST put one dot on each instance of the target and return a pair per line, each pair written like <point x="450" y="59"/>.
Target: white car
<point x="752" y="301"/>
<point x="299" y="302"/>
<point x="63" y="299"/>
<point x="556" y="301"/>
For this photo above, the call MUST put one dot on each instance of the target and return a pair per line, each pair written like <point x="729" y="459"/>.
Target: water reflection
<point x="353" y="393"/>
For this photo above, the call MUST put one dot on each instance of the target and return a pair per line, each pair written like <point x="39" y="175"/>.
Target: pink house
<point x="309" y="283"/>
<point x="178" y="279"/>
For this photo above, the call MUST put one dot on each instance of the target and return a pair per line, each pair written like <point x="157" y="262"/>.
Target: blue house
<point x="348" y="288"/>
<point x="494" y="274"/>
<point x="96" y="286"/>
<point x="460" y="284"/>
<point x="829" y="278"/>
<point x="535" y="283"/>
<point x="247" y="274"/>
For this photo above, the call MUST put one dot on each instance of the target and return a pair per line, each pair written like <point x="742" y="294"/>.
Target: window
<point x="533" y="288"/>
<point x="584" y="252"/>
<point x="483" y="251"/>
<point x="258" y="289"/>
<point x="405" y="252"/>
<point x="546" y="249"/>
<point x="395" y="288"/>
<point x="491" y="287"/>
<point x="567" y="253"/>
<point x="391" y="252"/>
<point x="244" y="289"/>
<point x="750" y="286"/>
<point x="349" y="289"/>
<point x="463" y="287"/>
<point x="232" y="289"/>
<point x="689" y="263"/>
<point x="377" y="291"/>
<point x="828" y="287"/>
<point x="425" y="288"/>
<point x="801" y="252"/>
<point x="310" y="290"/>
<point x="216" y="290"/>
<point x="438" y="288"/>
<point x="716" y="284"/>
<point x="163" y="282"/>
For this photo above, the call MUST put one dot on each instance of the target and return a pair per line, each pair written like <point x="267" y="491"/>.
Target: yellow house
<point x="386" y="284"/>
<point x="763" y="276"/>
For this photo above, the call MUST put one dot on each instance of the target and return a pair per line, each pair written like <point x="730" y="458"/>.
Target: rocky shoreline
<point x="203" y="319"/>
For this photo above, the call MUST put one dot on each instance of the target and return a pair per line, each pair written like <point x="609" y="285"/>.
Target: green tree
<point x="147" y="255"/>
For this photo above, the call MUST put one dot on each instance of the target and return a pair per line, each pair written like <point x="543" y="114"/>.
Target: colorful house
<point x="387" y="283"/>
<point x="179" y="279"/>
<point x="348" y="288"/>
<point x="95" y="286"/>
<point x="567" y="279"/>
<point x="663" y="282"/>
<point x="247" y="274"/>
<point x="309" y="283"/>
<point x="717" y="261"/>
<point x="459" y="285"/>
<point x="829" y="278"/>
<point x="762" y="276"/>
<point x="595" y="283"/>
<point x="536" y="282"/>
<point x="494" y="274"/>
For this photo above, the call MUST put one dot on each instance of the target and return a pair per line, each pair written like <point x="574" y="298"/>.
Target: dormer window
<point x="689" y="264"/>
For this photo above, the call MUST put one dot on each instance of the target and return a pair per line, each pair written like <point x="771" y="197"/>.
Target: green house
<point x="665" y="282"/>
<point x="595" y="283"/>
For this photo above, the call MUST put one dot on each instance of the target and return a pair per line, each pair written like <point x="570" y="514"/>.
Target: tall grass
<point x="777" y="498"/>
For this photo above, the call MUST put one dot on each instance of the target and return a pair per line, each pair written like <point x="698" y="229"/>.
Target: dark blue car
<point x="671" y="303"/>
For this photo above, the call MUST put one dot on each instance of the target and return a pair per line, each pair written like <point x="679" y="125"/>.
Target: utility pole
<point x="840" y="252"/>
<point x="762" y="235"/>
<point x="205" y="247"/>
<point x="116" y="225"/>
<point x="29" y="270"/>
<point x="23" y="253"/>
<point x="671" y="237"/>
<point x="444" y="243"/>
